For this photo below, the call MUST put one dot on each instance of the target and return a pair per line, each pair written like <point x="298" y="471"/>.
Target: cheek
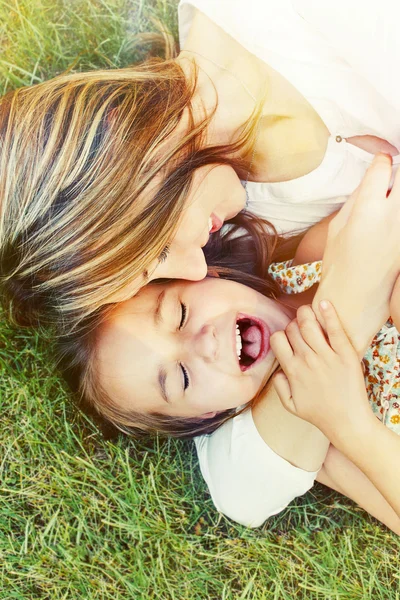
<point x="193" y="228"/>
<point x="220" y="392"/>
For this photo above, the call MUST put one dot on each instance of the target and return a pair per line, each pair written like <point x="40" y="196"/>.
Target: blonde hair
<point x="76" y="154"/>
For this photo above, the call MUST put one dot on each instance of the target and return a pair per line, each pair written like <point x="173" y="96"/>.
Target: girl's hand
<point x="321" y="382"/>
<point x="324" y="385"/>
<point x="362" y="255"/>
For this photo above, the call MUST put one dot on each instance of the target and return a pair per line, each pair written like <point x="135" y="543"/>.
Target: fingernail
<point x="324" y="305"/>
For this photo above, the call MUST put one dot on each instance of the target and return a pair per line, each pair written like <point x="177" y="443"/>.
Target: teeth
<point x="238" y="342"/>
<point x="210" y="224"/>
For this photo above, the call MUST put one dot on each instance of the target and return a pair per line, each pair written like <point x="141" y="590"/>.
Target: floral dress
<point x="382" y="360"/>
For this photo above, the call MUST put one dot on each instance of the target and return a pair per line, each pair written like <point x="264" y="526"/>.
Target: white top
<point x="344" y="57"/>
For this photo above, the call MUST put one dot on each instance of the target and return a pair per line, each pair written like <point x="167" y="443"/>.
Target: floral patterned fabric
<point x="382" y="360"/>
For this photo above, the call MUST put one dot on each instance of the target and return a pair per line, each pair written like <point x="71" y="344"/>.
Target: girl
<point x="181" y="357"/>
<point x="107" y="178"/>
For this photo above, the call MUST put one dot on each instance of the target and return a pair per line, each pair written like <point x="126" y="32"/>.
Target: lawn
<point x="85" y="518"/>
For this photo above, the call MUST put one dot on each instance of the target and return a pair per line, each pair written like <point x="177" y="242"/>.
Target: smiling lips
<point x="214" y="223"/>
<point x="251" y="341"/>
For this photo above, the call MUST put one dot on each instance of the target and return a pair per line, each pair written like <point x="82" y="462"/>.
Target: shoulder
<point x="241" y="19"/>
<point x="363" y="32"/>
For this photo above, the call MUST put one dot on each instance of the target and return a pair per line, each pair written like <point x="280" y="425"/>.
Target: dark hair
<point x="242" y="254"/>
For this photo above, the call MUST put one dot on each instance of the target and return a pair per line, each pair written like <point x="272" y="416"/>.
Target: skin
<point x="131" y="330"/>
<point x="303" y="444"/>
<point x="317" y="373"/>
<point x="359" y="466"/>
<point x="134" y="345"/>
<point x="229" y="93"/>
<point x="216" y="196"/>
<point x="218" y="191"/>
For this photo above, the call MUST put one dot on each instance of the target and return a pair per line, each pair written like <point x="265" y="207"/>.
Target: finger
<point x="376" y="181"/>
<point x="340" y="220"/>
<point x="336" y="334"/>
<point x="281" y="348"/>
<point x="395" y="304"/>
<point x="299" y="345"/>
<point x="395" y="191"/>
<point x="282" y="388"/>
<point x="312" y="331"/>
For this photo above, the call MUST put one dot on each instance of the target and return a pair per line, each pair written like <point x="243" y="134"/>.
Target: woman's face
<point x="216" y="195"/>
<point x="188" y="349"/>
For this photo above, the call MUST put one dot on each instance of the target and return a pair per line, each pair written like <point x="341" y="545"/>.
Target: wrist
<point x="354" y="431"/>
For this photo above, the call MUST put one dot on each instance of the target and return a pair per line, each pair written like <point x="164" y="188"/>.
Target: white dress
<point x="344" y="57"/>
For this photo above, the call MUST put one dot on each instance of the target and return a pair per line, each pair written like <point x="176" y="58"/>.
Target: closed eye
<point x="164" y="255"/>
<point x="185" y="377"/>
<point x="183" y="315"/>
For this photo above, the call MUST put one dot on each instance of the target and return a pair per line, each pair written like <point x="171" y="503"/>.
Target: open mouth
<point x="252" y="341"/>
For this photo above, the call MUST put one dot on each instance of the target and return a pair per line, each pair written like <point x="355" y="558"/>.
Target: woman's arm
<point x="375" y="451"/>
<point x="340" y="474"/>
<point x="312" y="246"/>
<point x="358" y="271"/>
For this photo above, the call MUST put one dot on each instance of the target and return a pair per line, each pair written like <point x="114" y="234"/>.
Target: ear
<point x="208" y="415"/>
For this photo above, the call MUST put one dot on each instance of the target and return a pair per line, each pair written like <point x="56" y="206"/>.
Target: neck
<point x="212" y="95"/>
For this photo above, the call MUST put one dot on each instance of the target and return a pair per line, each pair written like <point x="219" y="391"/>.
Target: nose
<point x="189" y="264"/>
<point x="206" y="343"/>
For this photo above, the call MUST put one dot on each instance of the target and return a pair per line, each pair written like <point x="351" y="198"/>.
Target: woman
<point x="107" y="178"/>
<point x="178" y="357"/>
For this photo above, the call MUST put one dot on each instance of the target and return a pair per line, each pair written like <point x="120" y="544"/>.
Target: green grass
<point x="82" y="518"/>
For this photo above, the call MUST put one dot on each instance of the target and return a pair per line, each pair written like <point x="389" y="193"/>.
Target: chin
<point x="197" y="272"/>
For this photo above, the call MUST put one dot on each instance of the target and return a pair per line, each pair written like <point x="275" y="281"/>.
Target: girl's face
<point x="188" y="349"/>
<point x="216" y="196"/>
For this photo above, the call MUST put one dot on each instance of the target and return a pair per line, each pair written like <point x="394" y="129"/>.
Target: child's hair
<point x="243" y="258"/>
<point x="76" y="154"/>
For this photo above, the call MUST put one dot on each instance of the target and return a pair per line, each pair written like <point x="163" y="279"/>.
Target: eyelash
<point x="185" y="377"/>
<point x="184" y="314"/>
<point x="182" y="324"/>
<point x="164" y="255"/>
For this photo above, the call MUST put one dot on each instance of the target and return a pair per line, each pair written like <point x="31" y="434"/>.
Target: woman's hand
<point x="321" y="382"/>
<point x="362" y="255"/>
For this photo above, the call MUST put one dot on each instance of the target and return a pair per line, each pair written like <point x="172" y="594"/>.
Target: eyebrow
<point x="158" y="310"/>
<point x="162" y="378"/>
